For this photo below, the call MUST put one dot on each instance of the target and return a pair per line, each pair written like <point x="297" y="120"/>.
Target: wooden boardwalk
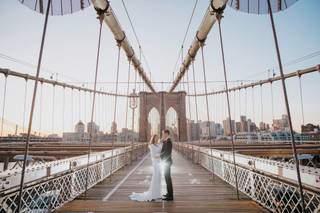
<point x="193" y="191"/>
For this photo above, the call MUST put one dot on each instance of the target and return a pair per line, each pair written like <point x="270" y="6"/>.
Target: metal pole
<point x="32" y="107"/>
<point x="219" y="16"/>
<point x="294" y="149"/>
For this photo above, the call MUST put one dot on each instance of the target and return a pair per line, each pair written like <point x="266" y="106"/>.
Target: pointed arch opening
<point x="172" y="123"/>
<point x="153" y="123"/>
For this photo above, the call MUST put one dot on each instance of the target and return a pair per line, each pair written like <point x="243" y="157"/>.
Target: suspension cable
<point x="53" y="109"/>
<point x="93" y="102"/>
<point x="115" y="106"/>
<point x="284" y="90"/>
<point x="272" y="105"/>
<point x="219" y="16"/>
<point x="301" y="100"/>
<point x="240" y="110"/>
<point x="189" y="106"/>
<point x="261" y="105"/>
<point x="234" y="104"/>
<point x="63" y="107"/>
<point x="127" y="110"/>
<point x="20" y="196"/>
<point x="246" y="102"/>
<point x="40" y="113"/>
<point x="79" y="100"/>
<point x="72" y="121"/>
<point x="196" y="105"/>
<point x="252" y="99"/>
<point x="207" y="105"/>
<point x="136" y="37"/>
<point x="24" y="105"/>
<point x="4" y="102"/>
<point x="185" y="36"/>
<point x="85" y="107"/>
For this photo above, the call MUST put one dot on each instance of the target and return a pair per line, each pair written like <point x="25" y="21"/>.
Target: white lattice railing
<point x="51" y="192"/>
<point x="274" y="193"/>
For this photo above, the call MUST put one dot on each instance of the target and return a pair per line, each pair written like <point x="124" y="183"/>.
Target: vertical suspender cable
<point x="85" y="107"/>
<point x="293" y="143"/>
<point x="115" y="106"/>
<point x="234" y="103"/>
<point x="261" y="105"/>
<point x="24" y="104"/>
<point x="189" y="106"/>
<point x="20" y="197"/>
<point x="246" y="102"/>
<point x="240" y="111"/>
<point x="207" y="105"/>
<point x="219" y="16"/>
<point x="63" y="107"/>
<point x="4" y="102"/>
<point x="301" y="99"/>
<point x="40" y="114"/>
<point x="79" y="99"/>
<point x="196" y="105"/>
<point x="252" y="99"/>
<point x="93" y="103"/>
<point x="127" y="109"/>
<point x="72" y="108"/>
<point x="272" y="107"/>
<point x="53" y="100"/>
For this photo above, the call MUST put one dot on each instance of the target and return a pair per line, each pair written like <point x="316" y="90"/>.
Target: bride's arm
<point x="155" y="151"/>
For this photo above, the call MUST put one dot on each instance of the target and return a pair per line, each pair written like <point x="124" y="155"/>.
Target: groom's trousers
<point x="167" y="176"/>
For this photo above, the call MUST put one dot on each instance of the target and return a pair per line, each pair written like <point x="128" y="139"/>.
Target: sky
<point x="70" y="51"/>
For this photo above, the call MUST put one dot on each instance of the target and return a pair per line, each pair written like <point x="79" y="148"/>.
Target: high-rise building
<point x="243" y="124"/>
<point x="238" y="127"/>
<point x="227" y="128"/>
<point x="208" y="129"/>
<point x="251" y="126"/>
<point x="193" y="130"/>
<point x="281" y="124"/>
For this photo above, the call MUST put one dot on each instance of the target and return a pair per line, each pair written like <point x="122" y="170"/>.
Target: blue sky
<point x="72" y="39"/>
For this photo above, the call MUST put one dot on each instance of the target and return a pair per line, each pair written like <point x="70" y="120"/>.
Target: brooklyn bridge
<point x="77" y="139"/>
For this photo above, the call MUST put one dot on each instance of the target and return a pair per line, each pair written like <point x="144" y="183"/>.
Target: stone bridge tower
<point x="162" y="101"/>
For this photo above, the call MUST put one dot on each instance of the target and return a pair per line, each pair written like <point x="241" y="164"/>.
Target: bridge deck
<point x="193" y="190"/>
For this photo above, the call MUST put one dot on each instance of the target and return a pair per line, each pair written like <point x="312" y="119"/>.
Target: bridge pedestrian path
<point x="194" y="191"/>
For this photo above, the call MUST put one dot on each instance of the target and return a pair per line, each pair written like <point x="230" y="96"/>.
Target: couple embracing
<point x="160" y="150"/>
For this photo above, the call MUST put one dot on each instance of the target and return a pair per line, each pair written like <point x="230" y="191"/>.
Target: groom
<point x="166" y="158"/>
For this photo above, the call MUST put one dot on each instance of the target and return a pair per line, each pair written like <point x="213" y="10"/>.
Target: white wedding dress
<point x="154" y="191"/>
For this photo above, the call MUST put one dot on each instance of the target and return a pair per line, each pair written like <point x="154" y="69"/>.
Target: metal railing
<point x="270" y="191"/>
<point x="48" y="193"/>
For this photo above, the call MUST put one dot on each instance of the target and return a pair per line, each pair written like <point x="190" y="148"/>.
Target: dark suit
<point x="167" y="159"/>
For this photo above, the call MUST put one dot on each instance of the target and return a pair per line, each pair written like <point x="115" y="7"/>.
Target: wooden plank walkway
<point x="193" y="191"/>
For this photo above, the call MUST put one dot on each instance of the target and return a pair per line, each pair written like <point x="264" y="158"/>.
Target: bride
<point x="154" y="191"/>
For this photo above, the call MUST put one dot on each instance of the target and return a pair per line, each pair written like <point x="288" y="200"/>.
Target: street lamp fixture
<point x="133" y="100"/>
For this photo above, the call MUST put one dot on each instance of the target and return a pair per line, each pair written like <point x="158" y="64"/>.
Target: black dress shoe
<point x="166" y="195"/>
<point x="167" y="198"/>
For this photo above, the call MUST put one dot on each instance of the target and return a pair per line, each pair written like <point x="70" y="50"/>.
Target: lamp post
<point x="133" y="100"/>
